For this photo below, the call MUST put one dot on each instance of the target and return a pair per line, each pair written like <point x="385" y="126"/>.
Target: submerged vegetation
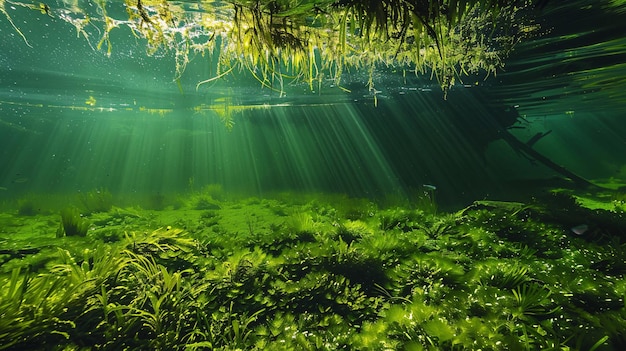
<point x="72" y="223"/>
<point x="293" y="272"/>
<point x="97" y="200"/>
<point x="307" y="273"/>
<point x="310" y="41"/>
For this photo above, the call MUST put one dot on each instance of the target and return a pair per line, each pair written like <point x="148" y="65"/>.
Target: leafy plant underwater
<point x="493" y="276"/>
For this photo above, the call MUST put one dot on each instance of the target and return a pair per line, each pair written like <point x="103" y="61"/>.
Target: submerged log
<point x="528" y="151"/>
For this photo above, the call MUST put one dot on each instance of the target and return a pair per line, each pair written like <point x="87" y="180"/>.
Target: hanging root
<point x="6" y="14"/>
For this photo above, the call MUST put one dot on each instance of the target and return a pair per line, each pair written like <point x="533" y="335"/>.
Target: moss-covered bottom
<point x="313" y="273"/>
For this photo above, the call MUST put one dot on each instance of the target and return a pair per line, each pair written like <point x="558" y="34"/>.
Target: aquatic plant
<point x="426" y="272"/>
<point x="301" y="223"/>
<point x="352" y="230"/>
<point x="382" y="289"/>
<point x="215" y="191"/>
<point x="168" y="246"/>
<point x="97" y="200"/>
<point x="401" y="218"/>
<point x="436" y="227"/>
<point x="413" y="324"/>
<point x="27" y="206"/>
<point x="154" y="305"/>
<point x="223" y="328"/>
<point x="354" y="209"/>
<point x="506" y="275"/>
<point x="205" y="203"/>
<point x="391" y="247"/>
<point x="40" y="309"/>
<point x="156" y="201"/>
<point x="13" y="297"/>
<point x="72" y="223"/>
<point x="531" y="300"/>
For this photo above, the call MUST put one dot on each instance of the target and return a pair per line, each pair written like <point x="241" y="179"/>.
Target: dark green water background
<point x="569" y="81"/>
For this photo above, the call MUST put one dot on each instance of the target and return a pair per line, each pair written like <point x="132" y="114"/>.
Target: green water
<point x="134" y="217"/>
<point x="74" y="120"/>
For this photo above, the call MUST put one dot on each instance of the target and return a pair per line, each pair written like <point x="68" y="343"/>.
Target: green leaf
<point x="201" y="344"/>
<point x="439" y="329"/>
<point x="599" y="343"/>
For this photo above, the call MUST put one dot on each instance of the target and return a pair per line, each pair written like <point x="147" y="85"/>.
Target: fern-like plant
<point x="531" y="299"/>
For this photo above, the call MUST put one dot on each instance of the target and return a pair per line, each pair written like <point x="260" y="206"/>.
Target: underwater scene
<point x="312" y="175"/>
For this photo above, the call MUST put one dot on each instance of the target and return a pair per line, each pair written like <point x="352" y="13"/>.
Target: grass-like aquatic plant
<point x="72" y="223"/>
<point x="40" y="308"/>
<point x="27" y="206"/>
<point x="97" y="200"/>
